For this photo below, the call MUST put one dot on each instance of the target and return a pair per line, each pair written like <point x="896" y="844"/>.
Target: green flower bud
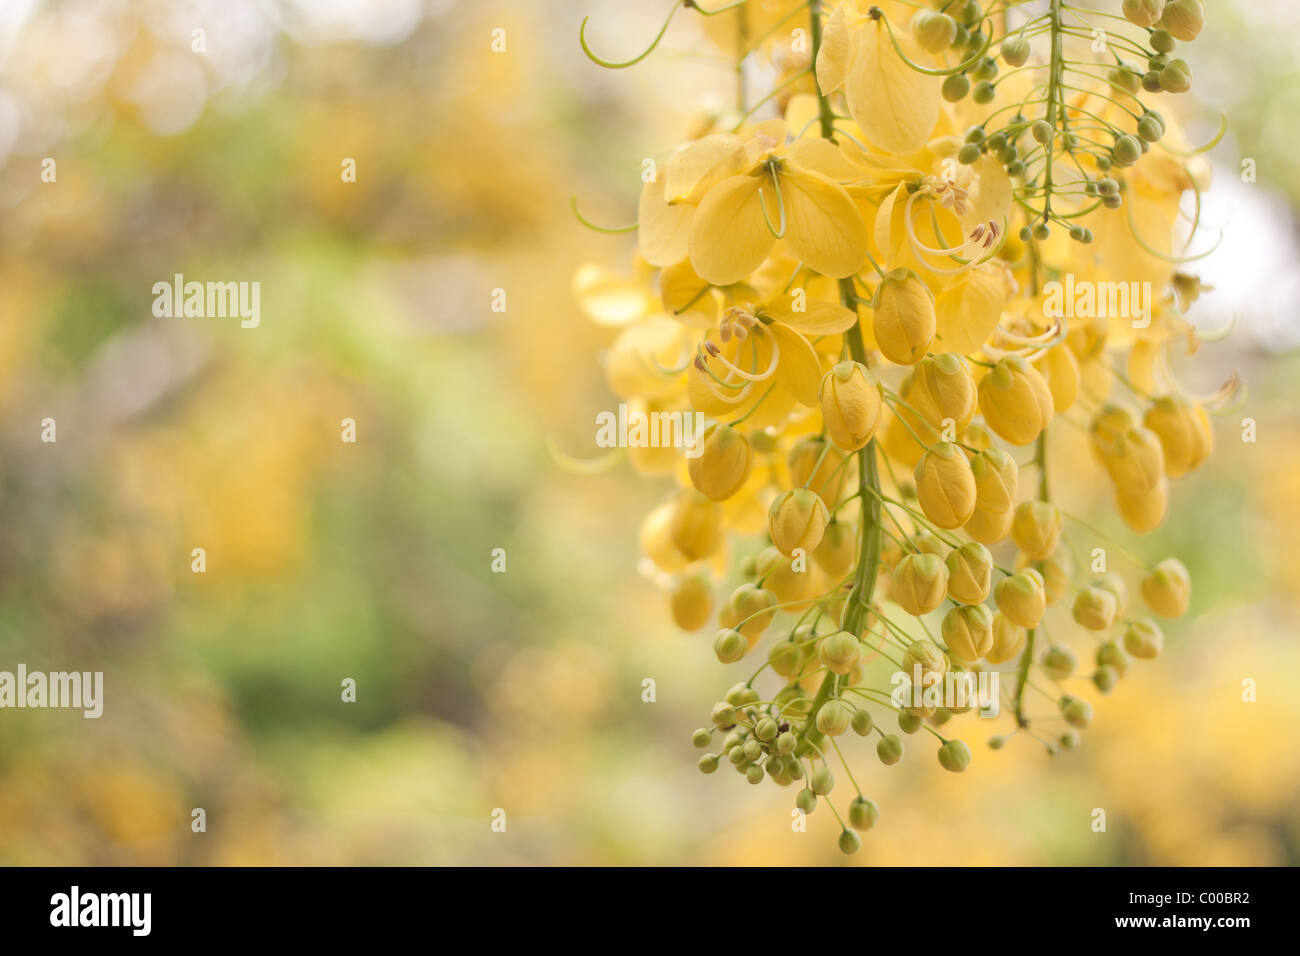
<point x="729" y="645"/>
<point x="785" y="743"/>
<point x="1150" y="83"/>
<point x="1104" y="678"/>
<point x="786" y="657"/>
<point x="753" y="749"/>
<point x="908" y="723"/>
<point x="1184" y="19"/>
<point x="823" y="781"/>
<point x="1015" y="51"/>
<point x="701" y="737"/>
<point x="839" y="652"/>
<point x="890" y="749"/>
<point x="1162" y="41"/>
<point x="986" y="69"/>
<point x="766" y="729"/>
<point x="997" y="742"/>
<point x="1076" y="711"/>
<point x="849" y="842"/>
<point x="968" y="155"/>
<point x="754" y="774"/>
<point x="955" y="87"/>
<point x="1059" y="661"/>
<point x="1041" y="131"/>
<point x="733" y="739"/>
<point x="1124" y="78"/>
<point x="741" y="694"/>
<point x="1069" y="740"/>
<point x="833" y="718"/>
<point x="1111" y="655"/>
<point x="724" y="715"/>
<point x="708" y="763"/>
<point x="806" y="801"/>
<point x="983" y="92"/>
<point x="1144" y="639"/>
<point x="862" y="723"/>
<point x="955" y="756"/>
<point x="1143" y="13"/>
<point x="863" y="814"/>
<point x="737" y="756"/>
<point x="1176" y="77"/>
<point x="1126" y="150"/>
<point x="933" y="31"/>
<point x="942" y="715"/>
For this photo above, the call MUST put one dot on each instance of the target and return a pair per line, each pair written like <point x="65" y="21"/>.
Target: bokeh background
<point x="326" y="560"/>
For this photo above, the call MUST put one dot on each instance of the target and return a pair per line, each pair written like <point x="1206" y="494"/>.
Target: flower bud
<point x="1076" y="711"/>
<point x="968" y="631"/>
<point x="954" y="755"/>
<point x="1143" y="512"/>
<point x="903" y="317"/>
<point x="862" y="722"/>
<point x="797" y="519"/>
<point x="1069" y="740"/>
<point x="1184" y="432"/>
<point x="970" y="570"/>
<point x="1108" y="425"/>
<point x="748" y="610"/>
<point x="1183" y="18"/>
<point x="942" y="387"/>
<point x="708" y="763"/>
<point x="925" y="655"/>
<point x="849" y="842"/>
<point x="723" y="715"/>
<point x="701" y="737"/>
<point x="1059" y="661"/>
<point x="945" y="486"/>
<point x="781" y="576"/>
<point x="833" y="718"/>
<point x="1036" y="529"/>
<point x="1095" y="608"/>
<point x="838" y="551"/>
<point x="1022" y="597"/>
<point x="918" y="583"/>
<point x="787" y="658"/>
<point x="1015" y="51"/>
<point x="815" y="464"/>
<point x="1143" y="639"/>
<point x="806" y="800"/>
<point x="1143" y="13"/>
<point x="1060" y="369"/>
<point x="1167" y="588"/>
<point x="1136" y="461"/>
<point x="823" y="781"/>
<point x="691" y="601"/>
<point x="1008" y="640"/>
<point x="850" y="403"/>
<point x="1104" y="678"/>
<point x="863" y="814"/>
<point x="934" y="31"/>
<point x="1113" y="583"/>
<point x="785" y="743"/>
<point x="730" y="645"/>
<point x="766" y="729"/>
<point x="1057" y="570"/>
<point x="839" y="652"/>
<point x="722" y="466"/>
<point x="696" y="527"/>
<point x="890" y="749"/>
<point x="1112" y="655"/>
<point x="909" y="722"/>
<point x="1015" y="400"/>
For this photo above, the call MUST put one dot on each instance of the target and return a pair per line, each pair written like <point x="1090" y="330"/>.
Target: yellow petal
<point x="798" y="370"/>
<point x="833" y="57"/>
<point x="606" y="298"/>
<point x="663" y="231"/>
<point x="822" y="223"/>
<point x="811" y="316"/>
<point x="729" y="238"/>
<point x="895" y="106"/>
<point x="701" y="164"/>
<point x="969" y="309"/>
<point x="687" y="297"/>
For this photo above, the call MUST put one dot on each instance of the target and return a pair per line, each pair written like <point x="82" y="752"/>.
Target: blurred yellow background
<point x="325" y="560"/>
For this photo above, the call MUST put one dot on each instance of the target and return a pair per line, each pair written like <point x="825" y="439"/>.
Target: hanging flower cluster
<point x="941" y="233"/>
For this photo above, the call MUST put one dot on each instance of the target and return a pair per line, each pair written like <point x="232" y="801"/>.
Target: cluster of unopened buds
<point x="881" y="285"/>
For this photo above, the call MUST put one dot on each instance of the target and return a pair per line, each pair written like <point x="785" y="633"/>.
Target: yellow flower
<point x="1167" y="588"/>
<point x="723" y="464"/>
<point x="945" y="486"/>
<point x="1015" y="400"/>
<point x="903" y="318"/>
<point x="1036" y="529"/>
<point x="1021" y="597"/>
<point x="970" y="570"/>
<point x="797" y="520"/>
<point x="968" y="631"/>
<point x="918" y="583"/>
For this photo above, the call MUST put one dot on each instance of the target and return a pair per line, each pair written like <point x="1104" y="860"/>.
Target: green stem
<point x="1027" y="659"/>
